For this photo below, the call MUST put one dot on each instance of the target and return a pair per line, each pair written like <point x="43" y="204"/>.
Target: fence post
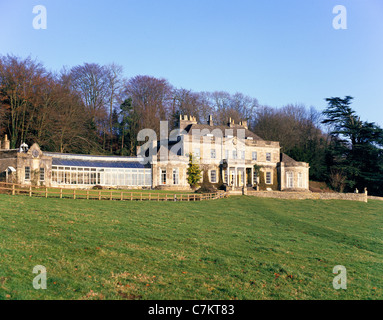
<point x="61" y="193"/>
<point x="74" y="193"/>
<point x="131" y="196"/>
<point x="99" y="195"/>
<point x="46" y="192"/>
<point x="13" y="189"/>
<point x="122" y="196"/>
<point x="30" y="191"/>
<point x="87" y="194"/>
<point x="141" y="197"/>
<point x="111" y="195"/>
<point x="150" y="196"/>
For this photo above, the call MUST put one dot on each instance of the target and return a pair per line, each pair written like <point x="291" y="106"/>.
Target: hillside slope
<point x="235" y="248"/>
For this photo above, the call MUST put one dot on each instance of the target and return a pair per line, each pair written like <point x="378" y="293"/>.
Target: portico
<point x="239" y="176"/>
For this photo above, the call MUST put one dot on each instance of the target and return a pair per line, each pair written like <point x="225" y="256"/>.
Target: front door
<point x="248" y="176"/>
<point x="232" y="177"/>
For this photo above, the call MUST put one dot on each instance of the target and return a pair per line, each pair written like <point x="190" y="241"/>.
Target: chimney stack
<point x="6" y="143"/>
<point x="210" y="121"/>
<point x="243" y="123"/>
<point x="185" y="121"/>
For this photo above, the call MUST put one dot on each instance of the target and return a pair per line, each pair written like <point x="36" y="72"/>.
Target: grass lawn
<point x="235" y="248"/>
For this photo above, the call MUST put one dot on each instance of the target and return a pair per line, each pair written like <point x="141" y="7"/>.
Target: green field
<point x="235" y="248"/>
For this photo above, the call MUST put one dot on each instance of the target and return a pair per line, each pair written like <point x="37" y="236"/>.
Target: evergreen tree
<point x="129" y="128"/>
<point x="356" y="147"/>
<point x="193" y="172"/>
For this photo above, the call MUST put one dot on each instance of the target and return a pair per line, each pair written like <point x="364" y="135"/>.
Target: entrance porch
<point x="235" y="176"/>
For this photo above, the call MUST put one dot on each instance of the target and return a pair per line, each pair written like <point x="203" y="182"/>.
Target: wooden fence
<point x="122" y="195"/>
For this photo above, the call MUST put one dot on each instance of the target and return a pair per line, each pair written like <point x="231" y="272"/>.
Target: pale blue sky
<point x="277" y="51"/>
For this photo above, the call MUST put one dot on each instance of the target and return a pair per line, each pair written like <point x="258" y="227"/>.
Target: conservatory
<point x="84" y="170"/>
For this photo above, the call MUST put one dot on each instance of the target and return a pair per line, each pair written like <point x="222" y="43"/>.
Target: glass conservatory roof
<point x="97" y="164"/>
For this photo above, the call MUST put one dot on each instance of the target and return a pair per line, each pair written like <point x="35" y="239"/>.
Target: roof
<point x="169" y="147"/>
<point x="88" y="157"/>
<point x="248" y="133"/>
<point x="286" y="159"/>
<point x="96" y="164"/>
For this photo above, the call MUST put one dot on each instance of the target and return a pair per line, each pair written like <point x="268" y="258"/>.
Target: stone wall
<point x="169" y="166"/>
<point x="309" y="195"/>
<point x="8" y="158"/>
<point x="173" y="188"/>
<point x="35" y="162"/>
<point x="295" y="168"/>
<point x="274" y="178"/>
<point x="375" y="198"/>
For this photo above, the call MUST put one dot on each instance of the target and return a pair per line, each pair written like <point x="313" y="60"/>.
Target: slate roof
<point x="286" y="159"/>
<point x="96" y="164"/>
<point x="248" y="133"/>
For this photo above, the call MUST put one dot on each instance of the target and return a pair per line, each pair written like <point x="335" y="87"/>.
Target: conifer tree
<point x="193" y="172"/>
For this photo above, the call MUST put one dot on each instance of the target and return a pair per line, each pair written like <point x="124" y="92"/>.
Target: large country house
<point x="229" y="155"/>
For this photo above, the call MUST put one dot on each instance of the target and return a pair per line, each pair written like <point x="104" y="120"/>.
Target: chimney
<point x="186" y="121"/>
<point x="231" y="123"/>
<point x="6" y="143"/>
<point x="210" y="121"/>
<point x="243" y="123"/>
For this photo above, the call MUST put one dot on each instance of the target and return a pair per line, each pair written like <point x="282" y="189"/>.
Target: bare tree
<point x="21" y="82"/>
<point x="92" y="83"/>
<point x="187" y="102"/>
<point x="337" y="180"/>
<point x="151" y="99"/>
<point x="223" y="105"/>
<point x="68" y="120"/>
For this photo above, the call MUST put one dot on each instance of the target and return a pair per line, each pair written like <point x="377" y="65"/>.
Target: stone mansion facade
<point x="228" y="155"/>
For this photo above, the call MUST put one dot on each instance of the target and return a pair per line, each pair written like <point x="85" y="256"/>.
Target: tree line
<point x="94" y="109"/>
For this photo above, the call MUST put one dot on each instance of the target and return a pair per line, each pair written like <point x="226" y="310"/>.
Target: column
<point x="228" y="176"/>
<point x="252" y="175"/>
